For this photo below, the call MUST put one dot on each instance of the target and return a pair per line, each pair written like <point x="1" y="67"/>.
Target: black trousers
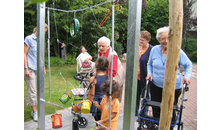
<point x="156" y="95"/>
<point x="139" y="90"/>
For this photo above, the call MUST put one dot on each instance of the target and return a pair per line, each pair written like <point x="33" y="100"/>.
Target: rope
<point x="107" y="15"/>
<point x="79" y="9"/>
<point x="55" y="19"/>
<point x="94" y="15"/>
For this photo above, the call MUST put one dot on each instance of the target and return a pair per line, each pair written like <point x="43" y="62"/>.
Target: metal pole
<point x="48" y="46"/>
<point x="110" y="90"/>
<point x="40" y="64"/>
<point x="134" y="24"/>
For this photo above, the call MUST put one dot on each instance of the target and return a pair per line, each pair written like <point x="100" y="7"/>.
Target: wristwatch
<point x="25" y="67"/>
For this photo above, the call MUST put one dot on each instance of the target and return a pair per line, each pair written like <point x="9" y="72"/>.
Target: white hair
<point x="104" y="39"/>
<point x="161" y="30"/>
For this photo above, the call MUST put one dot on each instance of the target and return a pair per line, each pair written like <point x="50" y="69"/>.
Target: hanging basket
<point x="74" y="27"/>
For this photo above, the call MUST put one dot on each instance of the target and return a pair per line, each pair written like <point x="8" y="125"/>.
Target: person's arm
<point x="95" y="103"/>
<point x="26" y="48"/>
<point x="88" y="56"/>
<point x="91" y="94"/>
<point x="187" y="64"/>
<point x="150" y="67"/>
<point x="113" y="115"/>
<point x="89" y="59"/>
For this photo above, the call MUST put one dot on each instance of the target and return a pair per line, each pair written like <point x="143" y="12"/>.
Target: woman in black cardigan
<point x="144" y="53"/>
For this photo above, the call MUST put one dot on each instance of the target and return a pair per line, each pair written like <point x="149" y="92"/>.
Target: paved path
<point x="189" y="113"/>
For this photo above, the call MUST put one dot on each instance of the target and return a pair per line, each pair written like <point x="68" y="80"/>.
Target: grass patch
<point x="58" y="88"/>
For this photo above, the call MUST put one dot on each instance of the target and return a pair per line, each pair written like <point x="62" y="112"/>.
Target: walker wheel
<point x="82" y="122"/>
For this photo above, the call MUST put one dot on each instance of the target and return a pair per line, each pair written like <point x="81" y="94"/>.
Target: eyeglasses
<point x="163" y="39"/>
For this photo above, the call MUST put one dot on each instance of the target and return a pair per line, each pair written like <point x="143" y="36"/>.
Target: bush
<point x="70" y="59"/>
<point x="118" y="48"/>
<point x="190" y="48"/>
<point x="56" y="61"/>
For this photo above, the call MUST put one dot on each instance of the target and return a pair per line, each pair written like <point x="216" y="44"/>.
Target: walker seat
<point x="79" y="91"/>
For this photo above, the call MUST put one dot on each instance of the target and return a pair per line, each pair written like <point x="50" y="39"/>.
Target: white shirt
<point x="84" y="57"/>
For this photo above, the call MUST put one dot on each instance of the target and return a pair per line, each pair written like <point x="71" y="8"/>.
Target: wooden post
<point x="173" y="52"/>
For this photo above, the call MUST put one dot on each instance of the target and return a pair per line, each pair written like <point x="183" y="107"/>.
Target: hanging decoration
<point x="65" y="97"/>
<point x="56" y="120"/>
<point x="86" y="106"/>
<point x="108" y="15"/>
<point x="74" y="27"/>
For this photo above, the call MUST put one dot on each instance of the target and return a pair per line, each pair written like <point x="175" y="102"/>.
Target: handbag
<point x="86" y="64"/>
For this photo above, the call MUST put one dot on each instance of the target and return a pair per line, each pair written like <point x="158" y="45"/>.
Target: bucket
<point x="56" y="120"/>
<point x="65" y="97"/>
<point x="77" y="107"/>
<point x="86" y="105"/>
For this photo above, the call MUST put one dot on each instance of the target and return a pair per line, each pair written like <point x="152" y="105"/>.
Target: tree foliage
<point x="155" y="14"/>
<point x="90" y="32"/>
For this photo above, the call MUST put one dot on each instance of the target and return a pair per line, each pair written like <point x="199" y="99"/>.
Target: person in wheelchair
<point x="85" y="58"/>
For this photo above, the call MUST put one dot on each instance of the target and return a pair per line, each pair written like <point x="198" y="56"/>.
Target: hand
<point x="63" y="45"/>
<point x="95" y="103"/>
<point x="100" y="121"/>
<point x="186" y="80"/>
<point x="27" y="73"/>
<point x="149" y="77"/>
<point x="44" y="70"/>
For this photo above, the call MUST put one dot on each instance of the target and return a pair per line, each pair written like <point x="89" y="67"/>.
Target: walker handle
<point x="186" y="88"/>
<point x="148" y="80"/>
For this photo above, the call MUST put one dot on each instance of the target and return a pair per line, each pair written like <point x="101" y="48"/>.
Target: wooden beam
<point x="173" y="52"/>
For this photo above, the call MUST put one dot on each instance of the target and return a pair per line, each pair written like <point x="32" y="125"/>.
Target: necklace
<point x="144" y="49"/>
<point x="163" y="61"/>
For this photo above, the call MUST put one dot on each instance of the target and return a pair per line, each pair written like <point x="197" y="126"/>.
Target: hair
<point x="104" y="39"/>
<point x="35" y="29"/>
<point x="116" y="88"/>
<point x="146" y="35"/>
<point x="102" y="64"/>
<point x="161" y="30"/>
<point x="81" y="48"/>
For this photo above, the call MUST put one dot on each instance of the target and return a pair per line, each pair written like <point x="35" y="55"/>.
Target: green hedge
<point x="190" y="48"/>
<point x="56" y="61"/>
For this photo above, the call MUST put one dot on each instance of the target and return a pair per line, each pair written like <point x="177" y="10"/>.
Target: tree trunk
<point x="173" y="52"/>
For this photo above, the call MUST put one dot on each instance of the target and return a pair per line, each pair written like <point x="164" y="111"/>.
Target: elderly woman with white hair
<point x="156" y="69"/>
<point x="106" y="51"/>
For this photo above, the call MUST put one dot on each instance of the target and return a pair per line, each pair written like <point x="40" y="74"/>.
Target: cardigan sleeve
<point x="186" y="63"/>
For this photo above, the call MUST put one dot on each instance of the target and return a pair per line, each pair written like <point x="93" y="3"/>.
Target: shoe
<point x="34" y="115"/>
